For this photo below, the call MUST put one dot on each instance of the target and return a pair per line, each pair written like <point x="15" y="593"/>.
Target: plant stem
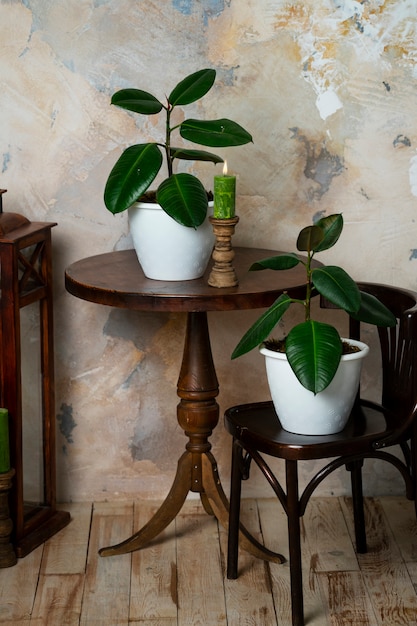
<point x="168" y="140"/>
<point x="308" y="287"/>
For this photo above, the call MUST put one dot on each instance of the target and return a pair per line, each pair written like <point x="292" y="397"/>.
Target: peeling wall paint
<point x="321" y="166"/>
<point x="328" y="89"/>
<point x="66" y="422"/>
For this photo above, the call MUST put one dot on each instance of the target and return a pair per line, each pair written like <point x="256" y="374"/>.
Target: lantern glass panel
<point x="32" y="418"/>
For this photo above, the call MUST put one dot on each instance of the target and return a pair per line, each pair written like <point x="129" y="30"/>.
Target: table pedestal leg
<point x="198" y="415"/>
<point x="164" y="515"/>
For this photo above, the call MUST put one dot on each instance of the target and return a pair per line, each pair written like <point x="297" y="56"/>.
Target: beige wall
<point x="329" y="91"/>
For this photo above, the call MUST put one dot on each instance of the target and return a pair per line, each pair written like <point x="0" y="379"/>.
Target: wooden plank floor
<point x="180" y="579"/>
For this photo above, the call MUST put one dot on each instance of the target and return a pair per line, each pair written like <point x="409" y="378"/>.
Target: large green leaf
<point x="131" y="176"/>
<point x="332" y="226"/>
<point x="337" y="286"/>
<point x="279" y="262"/>
<point x="137" y="100"/>
<point x="184" y="198"/>
<point x="216" y="133"/>
<point x="372" y="311"/>
<point x="193" y="87"/>
<point x="313" y="351"/>
<point x="261" y="329"/>
<point x="195" y="155"/>
<point x="309" y="238"/>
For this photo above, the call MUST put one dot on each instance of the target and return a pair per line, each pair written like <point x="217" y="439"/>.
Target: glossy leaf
<point x="195" y="155"/>
<point x="314" y="350"/>
<point x="183" y="197"/>
<point x="131" y="176"/>
<point x="309" y="238"/>
<point x="372" y="311"/>
<point x="332" y="226"/>
<point x="337" y="286"/>
<point x="216" y="133"/>
<point x="137" y="100"/>
<point x="262" y="328"/>
<point x="280" y="262"/>
<point x="124" y="187"/>
<point x="192" y="87"/>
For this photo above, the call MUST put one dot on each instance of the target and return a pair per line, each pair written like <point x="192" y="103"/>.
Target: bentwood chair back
<point x="373" y="429"/>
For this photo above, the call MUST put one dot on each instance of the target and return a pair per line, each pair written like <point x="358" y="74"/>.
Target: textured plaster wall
<point x="329" y="91"/>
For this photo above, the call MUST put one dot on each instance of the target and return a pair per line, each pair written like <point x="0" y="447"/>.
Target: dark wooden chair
<point x="371" y="429"/>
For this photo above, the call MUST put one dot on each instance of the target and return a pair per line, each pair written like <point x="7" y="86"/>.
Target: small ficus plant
<point x="182" y="196"/>
<point x="313" y="348"/>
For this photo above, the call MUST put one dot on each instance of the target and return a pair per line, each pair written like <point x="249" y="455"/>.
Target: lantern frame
<point x="26" y="278"/>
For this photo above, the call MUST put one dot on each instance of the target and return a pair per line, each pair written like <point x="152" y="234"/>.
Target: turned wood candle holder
<point x="7" y="554"/>
<point x="223" y="273"/>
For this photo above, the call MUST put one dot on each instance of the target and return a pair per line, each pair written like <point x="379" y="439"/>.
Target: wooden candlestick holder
<point x="223" y="273"/>
<point x="7" y="554"/>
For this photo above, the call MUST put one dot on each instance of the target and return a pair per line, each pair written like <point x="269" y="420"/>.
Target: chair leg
<point x="234" y="512"/>
<point x="355" y="469"/>
<point x="413" y="461"/>
<point x="293" y="515"/>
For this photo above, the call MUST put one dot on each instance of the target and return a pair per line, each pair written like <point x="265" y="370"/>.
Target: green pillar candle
<point x="4" y="441"/>
<point x="224" y="195"/>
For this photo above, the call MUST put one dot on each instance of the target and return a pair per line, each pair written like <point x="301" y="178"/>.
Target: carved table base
<point x="198" y="415"/>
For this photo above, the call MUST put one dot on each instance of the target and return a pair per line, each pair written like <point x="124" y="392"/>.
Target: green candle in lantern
<point x="224" y="195"/>
<point x="4" y="441"/>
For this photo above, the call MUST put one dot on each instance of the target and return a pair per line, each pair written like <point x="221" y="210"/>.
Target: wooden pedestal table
<point x="116" y="279"/>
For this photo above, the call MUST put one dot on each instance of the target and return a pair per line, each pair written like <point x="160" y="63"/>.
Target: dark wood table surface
<point x="116" y="279"/>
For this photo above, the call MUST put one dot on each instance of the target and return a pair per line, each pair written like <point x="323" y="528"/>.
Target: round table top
<point x="116" y="279"/>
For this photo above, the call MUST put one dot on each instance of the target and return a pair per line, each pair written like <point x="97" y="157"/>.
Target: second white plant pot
<point x="302" y="412"/>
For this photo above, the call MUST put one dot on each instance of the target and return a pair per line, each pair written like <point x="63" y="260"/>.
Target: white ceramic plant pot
<point x="165" y="249"/>
<point x="302" y="412"/>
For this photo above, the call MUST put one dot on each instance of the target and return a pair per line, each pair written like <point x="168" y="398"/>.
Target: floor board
<point x="179" y="579"/>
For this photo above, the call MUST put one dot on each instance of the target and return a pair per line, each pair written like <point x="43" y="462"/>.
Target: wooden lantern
<point x="26" y="301"/>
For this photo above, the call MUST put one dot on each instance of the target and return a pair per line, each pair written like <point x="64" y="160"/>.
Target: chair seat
<point x="259" y="424"/>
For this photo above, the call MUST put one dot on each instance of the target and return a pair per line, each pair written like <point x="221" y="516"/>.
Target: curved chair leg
<point x="219" y="504"/>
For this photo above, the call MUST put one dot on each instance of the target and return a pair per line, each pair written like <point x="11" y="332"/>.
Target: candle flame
<point x="225" y="168"/>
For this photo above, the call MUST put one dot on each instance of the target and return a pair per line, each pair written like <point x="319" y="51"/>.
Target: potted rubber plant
<point x="181" y="199"/>
<point x="311" y="369"/>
